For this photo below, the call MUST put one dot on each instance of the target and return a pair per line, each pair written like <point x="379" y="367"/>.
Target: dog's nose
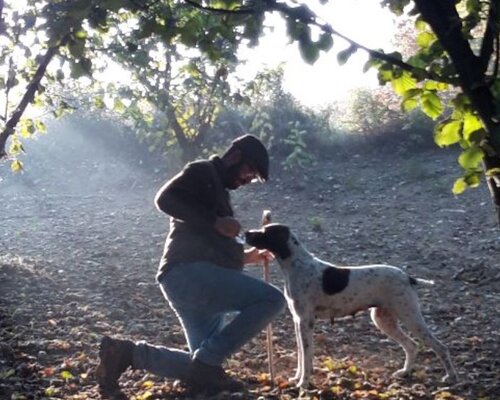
<point x="249" y="235"/>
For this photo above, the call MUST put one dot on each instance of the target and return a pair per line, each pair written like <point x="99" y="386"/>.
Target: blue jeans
<point x="201" y="294"/>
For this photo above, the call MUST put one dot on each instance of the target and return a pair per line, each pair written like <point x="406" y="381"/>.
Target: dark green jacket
<point x="194" y="198"/>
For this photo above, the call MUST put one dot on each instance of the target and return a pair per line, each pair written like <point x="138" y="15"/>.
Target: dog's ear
<point x="256" y="238"/>
<point x="277" y="237"/>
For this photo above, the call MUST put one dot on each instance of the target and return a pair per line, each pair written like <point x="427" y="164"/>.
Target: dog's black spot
<point x="334" y="280"/>
<point x="413" y="281"/>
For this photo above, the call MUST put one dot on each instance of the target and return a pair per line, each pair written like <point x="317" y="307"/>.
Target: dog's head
<point x="276" y="238"/>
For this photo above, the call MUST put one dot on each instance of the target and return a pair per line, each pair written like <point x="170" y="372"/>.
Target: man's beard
<point x="232" y="180"/>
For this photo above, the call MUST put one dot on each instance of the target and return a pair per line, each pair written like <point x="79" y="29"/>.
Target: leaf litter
<point x="69" y="277"/>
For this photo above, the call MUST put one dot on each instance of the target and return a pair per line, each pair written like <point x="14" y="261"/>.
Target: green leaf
<point x="66" y="375"/>
<point x="421" y="25"/>
<point x="26" y="127"/>
<point x="471" y="124"/>
<point x="99" y="102"/>
<point x="431" y="105"/>
<point x="425" y="39"/>
<point x="308" y="51"/>
<point x="371" y="63"/>
<point x="325" y="42"/>
<point x="459" y="186"/>
<point x="344" y="55"/>
<point x="477" y="136"/>
<point x="118" y="106"/>
<point x="16" y="166"/>
<point x="470" y="158"/>
<point x="385" y="75"/>
<point x="404" y="83"/>
<point x="473" y="179"/>
<point x="80" y="34"/>
<point x="473" y="6"/>
<point x="493" y="171"/>
<point x="409" y="104"/>
<point x="448" y="133"/>
<point x="40" y="126"/>
<point x="16" y="147"/>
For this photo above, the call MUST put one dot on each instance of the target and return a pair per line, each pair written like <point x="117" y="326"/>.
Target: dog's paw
<point x="449" y="379"/>
<point x="303" y="384"/>
<point x="401" y="373"/>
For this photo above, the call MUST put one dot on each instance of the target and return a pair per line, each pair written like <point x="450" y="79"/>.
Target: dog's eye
<point x="295" y="241"/>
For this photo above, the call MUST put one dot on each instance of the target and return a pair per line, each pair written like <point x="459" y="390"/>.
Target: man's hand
<point x="227" y="226"/>
<point x="256" y="256"/>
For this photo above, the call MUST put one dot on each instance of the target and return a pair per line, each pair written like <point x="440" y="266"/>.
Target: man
<point x="201" y="276"/>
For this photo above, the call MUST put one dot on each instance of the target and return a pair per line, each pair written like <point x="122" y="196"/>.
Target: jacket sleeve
<point x="190" y="196"/>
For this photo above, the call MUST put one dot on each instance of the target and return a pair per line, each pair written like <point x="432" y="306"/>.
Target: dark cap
<point x="254" y="152"/>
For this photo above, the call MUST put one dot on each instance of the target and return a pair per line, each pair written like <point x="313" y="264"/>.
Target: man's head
<point x="246" y="159"/>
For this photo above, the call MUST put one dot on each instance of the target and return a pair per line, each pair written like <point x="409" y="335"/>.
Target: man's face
<point x="240" y="174"/>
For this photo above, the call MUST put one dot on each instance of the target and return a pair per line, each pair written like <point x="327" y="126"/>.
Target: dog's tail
<point x="416" y="281"/>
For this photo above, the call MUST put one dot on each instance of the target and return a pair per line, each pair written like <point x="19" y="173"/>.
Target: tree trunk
<point x="444" y="20"/>
<point x="187" y="149"/>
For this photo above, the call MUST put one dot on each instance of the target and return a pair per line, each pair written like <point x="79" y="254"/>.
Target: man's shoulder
<point x="201" y="170"/>
<point x="201" y="167"/>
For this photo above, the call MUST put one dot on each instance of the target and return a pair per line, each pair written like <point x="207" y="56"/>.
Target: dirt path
<point x="79" y="247"/>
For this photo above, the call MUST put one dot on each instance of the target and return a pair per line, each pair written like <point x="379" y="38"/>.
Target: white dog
<point x="316" y="288"/>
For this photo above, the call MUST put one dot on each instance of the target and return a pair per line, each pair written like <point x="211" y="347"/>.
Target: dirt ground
<point x="80" y="241"/>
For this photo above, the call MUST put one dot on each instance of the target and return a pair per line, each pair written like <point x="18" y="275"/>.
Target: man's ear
<point x="232" y="157"/>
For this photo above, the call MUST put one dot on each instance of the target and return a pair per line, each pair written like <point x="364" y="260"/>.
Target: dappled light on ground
<point x="78" y="263"/>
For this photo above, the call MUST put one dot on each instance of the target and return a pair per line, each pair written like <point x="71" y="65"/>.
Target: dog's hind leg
<point x="414" y="322"/>
<point x="387" y="322"/>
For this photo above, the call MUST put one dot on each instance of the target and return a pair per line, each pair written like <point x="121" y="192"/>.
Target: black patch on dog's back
<point x="334" y="280"/>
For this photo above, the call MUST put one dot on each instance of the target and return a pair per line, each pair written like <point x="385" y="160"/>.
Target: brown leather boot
<point x="213" y="379"/>
<point x="115" y="357"/>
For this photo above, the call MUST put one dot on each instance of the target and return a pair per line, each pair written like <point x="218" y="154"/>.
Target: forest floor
<point x="80" y="241"/>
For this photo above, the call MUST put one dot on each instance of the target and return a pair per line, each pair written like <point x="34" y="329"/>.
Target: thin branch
<point x="306" y="16"/>
<point x="310" y="18"/>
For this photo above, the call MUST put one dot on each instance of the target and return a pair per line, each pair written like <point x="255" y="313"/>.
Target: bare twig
<point x="266" y="219"/>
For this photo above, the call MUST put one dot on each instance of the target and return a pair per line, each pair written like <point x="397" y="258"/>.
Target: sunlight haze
<point x="325" y="81"/>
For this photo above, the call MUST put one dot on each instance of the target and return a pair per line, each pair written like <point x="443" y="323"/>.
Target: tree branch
<point x="306" y="16"/>
<point x="309" y="18"/>
<point x="490" y="34"/>
<point x="28" y="97"/>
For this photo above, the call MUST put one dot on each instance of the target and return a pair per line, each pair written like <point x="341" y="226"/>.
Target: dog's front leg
<point x="306" y="328"/>
<point x="300" y="355"/>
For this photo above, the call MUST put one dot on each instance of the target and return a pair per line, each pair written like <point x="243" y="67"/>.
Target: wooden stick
<point x="266" y="219"/>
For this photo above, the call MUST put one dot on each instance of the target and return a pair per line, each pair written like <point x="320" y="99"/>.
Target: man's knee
<point x="277" y="300"/>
